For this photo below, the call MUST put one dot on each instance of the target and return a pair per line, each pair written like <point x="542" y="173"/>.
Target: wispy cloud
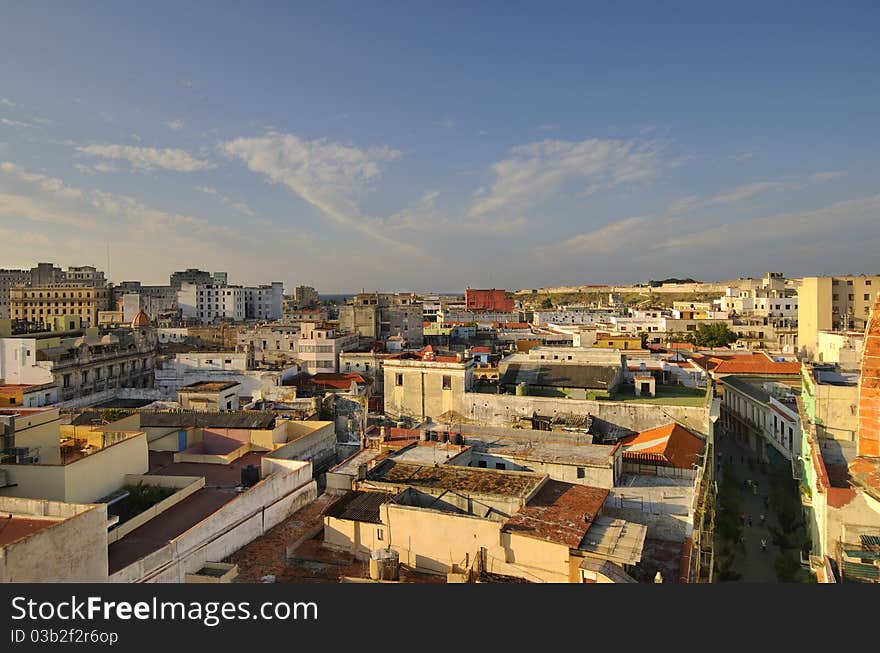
<point x="329" y="176"/>
<point x="6" y="102"/>
<point x="536" y="171"/>
<point x="423" y="216"/>
<point x="149" y="158"/>
<point x="175" y="125"/>
<point x="604" y="239"/>
<point x="241" y="207"/>
<point x="548" y="127"/>
<point x="446" y="123"/>
<point x="744" y="156"/>
<point x="821" y="177"/>
<point x="8" y="122"/>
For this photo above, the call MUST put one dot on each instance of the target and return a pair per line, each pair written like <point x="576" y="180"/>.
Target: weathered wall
<point x="74" y="550"/>
<point x="231" y="527"/>
<point x="504" y="410"/>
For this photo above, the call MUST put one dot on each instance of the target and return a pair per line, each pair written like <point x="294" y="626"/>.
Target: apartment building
<point x="213" y="302"/>
<point x="81" y="365"/>
<point x="314" y="347"/>
<point x="10" y="279"/>
<point x="425" y="384"/>
<point x="40" y="304"/>
<point x="197" y="277"/>
<point x="833" y="304"/>
<point x="377" y="316"/>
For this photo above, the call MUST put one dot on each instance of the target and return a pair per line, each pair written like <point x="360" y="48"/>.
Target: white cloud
<point x="745" y="156"/>
<point x="14" y="123"/>
<point x="329" y="176"/>
<point x="241" y="207"/>
<point x="175" y="125"/>
<point x="548" y="127"/>
<point x="148" y="158"/>
<point x="821" y="177"/>
<point x="446" y="123"/>
<point x="6" y="102"/>
<point x="536" y="171"/>
<point x="605" y="239"/>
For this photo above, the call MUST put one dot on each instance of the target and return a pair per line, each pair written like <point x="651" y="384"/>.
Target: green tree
<point x="712" y="335"/>
<point x="546" y="303"/>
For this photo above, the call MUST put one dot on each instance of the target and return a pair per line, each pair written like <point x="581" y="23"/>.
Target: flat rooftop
<point x="14" y="527"/>
<point x="428" y="453"/>
<point x="220" y="483"/>
<point x="208" y="386"/>
<point x="461" y="479"/>
<point x="350" y="465"/>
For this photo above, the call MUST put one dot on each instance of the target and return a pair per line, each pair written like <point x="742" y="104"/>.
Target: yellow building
<point x="40" y="304"/>
<point x="618" y="342"/>
<point x="833" y="304"/>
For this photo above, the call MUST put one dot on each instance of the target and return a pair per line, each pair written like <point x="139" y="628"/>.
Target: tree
<point x="546" y="303"/>
<point x="712" y="335"/>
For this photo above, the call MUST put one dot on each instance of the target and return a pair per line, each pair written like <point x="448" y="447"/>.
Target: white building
<point x="212" y="302"/>
<point x="309" y="345"/>
<point x="568" y="317"/>
<point x="759" y="303"/>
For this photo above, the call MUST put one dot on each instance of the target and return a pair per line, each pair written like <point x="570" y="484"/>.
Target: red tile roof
<point x="559" y="512"/>
<point x="481" y="350"/>
<point x="671" y="445"/>
<point x="745" y="364"/>
<point x="340" y="381"/>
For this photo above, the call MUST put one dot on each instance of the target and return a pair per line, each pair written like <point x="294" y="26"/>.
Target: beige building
<point x="458" y="520"/>
<point x="833" y="304"/>
<point x="209" y="395"/>
<point x="426" y="384"/>
<point x="38" y="304"/>
<point x="52" y="541"/>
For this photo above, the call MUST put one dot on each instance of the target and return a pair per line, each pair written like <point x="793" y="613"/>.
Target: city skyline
<point x="504" y="146"/>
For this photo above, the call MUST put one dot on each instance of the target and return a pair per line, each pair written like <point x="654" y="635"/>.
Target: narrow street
<point x="747" y="546"/>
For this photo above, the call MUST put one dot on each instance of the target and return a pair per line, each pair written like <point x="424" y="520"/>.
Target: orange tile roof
<point x="559" y="512"/>
<point x="672" y="445"/>
<point x="341" y="381"/>
<point x="757" y="365"/>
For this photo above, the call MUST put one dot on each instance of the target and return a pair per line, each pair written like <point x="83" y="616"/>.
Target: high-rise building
<point x="10" y="279"/>
<point x="833" y="304"/>
<point x="41" y="304"/>
<point x="196" y="276"/>
<point x="305" y="296"/>
<point x="488" y="300"/>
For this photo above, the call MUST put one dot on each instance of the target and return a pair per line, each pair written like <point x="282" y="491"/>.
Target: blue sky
<point x="430" y="146"/>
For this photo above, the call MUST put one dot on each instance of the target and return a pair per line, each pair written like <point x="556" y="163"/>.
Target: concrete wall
<point x="185" y="486"/>
<point x="318" y="447"/>
<point x="72" y="550"/>
<point x="593" y="476"/>
<point x="237" y="523"/>
<point x="84" y="481"/>
<point x="504" y="410"/>
<point x="422" y="393"/>
<point x="40" y="431"/>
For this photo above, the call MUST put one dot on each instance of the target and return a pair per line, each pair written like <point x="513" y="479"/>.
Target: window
<point x="380" y="535"/>
<point x="85" y="377"/>
<point x="447" y="382"/>
<point x="580" y="472"/>
<point x="835" y="297"/>
<point x="12" y="401"/>
<point x="227" y="361"/>
<point x="691" y="327"/>
<point x="867" y="296"/>
<point x="500" y="466"/>
<point x="867" y="282"/>
<point x="481" y="463"/>
<point x="398" y="379"/>
<point x="851" y="297"/>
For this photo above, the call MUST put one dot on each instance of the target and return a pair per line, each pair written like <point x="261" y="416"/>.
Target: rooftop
<point x="560" y="375"/>
<point x="359" y="506"/>
<point x="671" y="445"/>
<point x="239" y="419"/>
<point x="559" y="512"/>
<point x="462" y="479"/>
<point x="14" y="527"/>
<point x="220" y="484"/>
<point x="208" y="386"/>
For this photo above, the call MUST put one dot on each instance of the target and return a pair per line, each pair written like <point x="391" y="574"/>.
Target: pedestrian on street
<point x="750" y="520"/>
<point x="762" y="519"/>
<point x="763" y="545"/>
